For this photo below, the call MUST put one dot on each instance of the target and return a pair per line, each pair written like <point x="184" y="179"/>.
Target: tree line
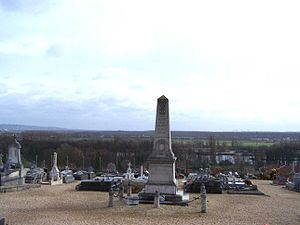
<point x="79" y="152"/>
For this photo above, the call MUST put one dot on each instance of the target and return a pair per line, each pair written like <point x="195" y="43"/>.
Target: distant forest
<point x="82" y="149"/>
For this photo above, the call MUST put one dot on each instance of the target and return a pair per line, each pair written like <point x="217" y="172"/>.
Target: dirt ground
<point x="61" y="204"/>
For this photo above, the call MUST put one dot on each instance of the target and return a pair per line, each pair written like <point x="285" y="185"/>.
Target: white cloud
<point x="231" y="63"/>
<point x="27" y="46"/>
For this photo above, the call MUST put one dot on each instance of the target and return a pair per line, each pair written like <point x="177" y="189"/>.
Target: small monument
<point x="203" y="199"/>
<point x="129" y="175"/>
<point x="54" y="175"/>
<point x="12" y="172"/>
<point x="162" y="160"/>
<point x="14" y="155"/>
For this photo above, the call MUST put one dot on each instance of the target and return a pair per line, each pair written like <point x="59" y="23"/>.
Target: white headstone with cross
<point x="129" y="175"/>
<point x="54" y="173"/>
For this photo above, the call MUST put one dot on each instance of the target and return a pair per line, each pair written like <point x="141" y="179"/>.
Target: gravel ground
<point x="61" y="204"/>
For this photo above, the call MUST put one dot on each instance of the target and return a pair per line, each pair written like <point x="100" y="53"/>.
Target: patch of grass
<point x="252" y="143"/>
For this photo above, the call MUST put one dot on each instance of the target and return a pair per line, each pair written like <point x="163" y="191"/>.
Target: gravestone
<point x="161" y="162"/>
<point x="14" y="155"/>
<point x="12" y="172"/>
<point x="129" y="175"/>
<point x="55" y="177"/>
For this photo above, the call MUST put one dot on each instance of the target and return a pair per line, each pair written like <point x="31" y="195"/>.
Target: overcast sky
<point x="92" y="64"/>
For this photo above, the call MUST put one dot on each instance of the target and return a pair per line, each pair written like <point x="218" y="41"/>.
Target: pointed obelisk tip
<point x="162" y="97"/>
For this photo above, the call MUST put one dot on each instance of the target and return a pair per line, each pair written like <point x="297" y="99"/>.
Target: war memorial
<point x="162" y="160"/>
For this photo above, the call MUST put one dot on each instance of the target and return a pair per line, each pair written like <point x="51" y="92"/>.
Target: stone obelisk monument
<point x="162" y="160"/>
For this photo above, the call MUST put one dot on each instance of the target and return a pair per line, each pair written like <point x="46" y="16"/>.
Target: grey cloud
<point x="54" y="50"/>
<point x="10" y="5"/>
<point x="98" y="76"/>
<point x="98" y="113"/>
<point x="3" y="88"/>
<point x="28" y="6"/>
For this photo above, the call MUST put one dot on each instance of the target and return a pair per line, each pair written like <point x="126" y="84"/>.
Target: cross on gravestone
<point x="129" y="168"/>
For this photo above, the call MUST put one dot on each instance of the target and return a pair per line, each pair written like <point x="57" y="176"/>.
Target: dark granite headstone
<point x="2" y="221"/>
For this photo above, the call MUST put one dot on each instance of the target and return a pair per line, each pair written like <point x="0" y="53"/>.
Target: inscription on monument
<point x="161" y="146"/>
<point x="162" y="106"/>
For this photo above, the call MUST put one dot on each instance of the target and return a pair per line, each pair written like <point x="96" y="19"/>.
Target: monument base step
<point x="181" y="203"/>
<point x="177" y="199"/>
<point x="56" y="182"/>
<point x="163" y="189"/>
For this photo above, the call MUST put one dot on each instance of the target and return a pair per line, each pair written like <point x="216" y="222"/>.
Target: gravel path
<point x="62" y="205"/>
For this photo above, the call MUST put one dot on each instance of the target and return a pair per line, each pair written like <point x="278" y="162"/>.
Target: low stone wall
<point x="13" y="188"/>
<point x="12" y="177"/>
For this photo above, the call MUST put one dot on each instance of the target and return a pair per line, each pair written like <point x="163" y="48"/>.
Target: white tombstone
<point x="12" y="172"/>
<point x="55" y="177"/>
<point x="14" y="154"/>
<point x="129" y="175"/>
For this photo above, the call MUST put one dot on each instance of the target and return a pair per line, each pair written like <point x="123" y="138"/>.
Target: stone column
<point x="55" y="159"/>
<point x="121" y="192"/>
<point x="19" y="153"/>
<point x="203" y="199"/>
<point x="110" y="198"/>
<point x="156" y="200"/>
<point x="129" y="189"/>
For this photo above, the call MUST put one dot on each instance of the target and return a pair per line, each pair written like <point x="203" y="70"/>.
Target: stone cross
<point x="129" y="168"/>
